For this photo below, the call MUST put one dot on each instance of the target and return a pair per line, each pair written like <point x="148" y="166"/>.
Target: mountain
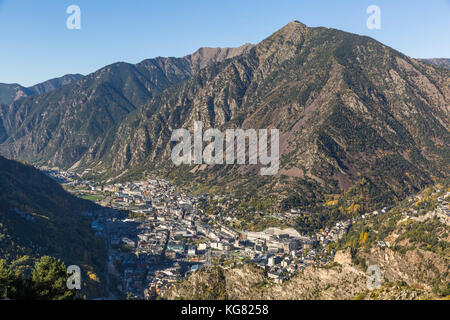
<point x="347" y="107"/>
<point x="12" y="92"/>
<point x="38" y="217"/>
<point x="442" y="62"/>
<point x="58" y="127"/>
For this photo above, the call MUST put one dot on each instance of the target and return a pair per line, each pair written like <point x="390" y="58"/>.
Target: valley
<point x="158" y="236"/>
<point x="116" y="172"/>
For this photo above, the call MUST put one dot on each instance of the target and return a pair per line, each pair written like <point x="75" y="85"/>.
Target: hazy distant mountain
<point x="442" y="62"/>
<point x="55" y="83"/>
<point x="203" y="57"/>
<point x="12" y="92"/>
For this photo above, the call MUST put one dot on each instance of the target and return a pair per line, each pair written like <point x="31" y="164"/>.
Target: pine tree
<point x="49" y="280"/>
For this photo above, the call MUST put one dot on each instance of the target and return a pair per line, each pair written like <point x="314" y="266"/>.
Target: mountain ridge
<point x="39" y="218"/>
<point x="14" y="91"/>
<point x="442" y="62"/>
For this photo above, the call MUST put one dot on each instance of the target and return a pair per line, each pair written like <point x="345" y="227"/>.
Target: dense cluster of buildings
<point x="156" y="236"/>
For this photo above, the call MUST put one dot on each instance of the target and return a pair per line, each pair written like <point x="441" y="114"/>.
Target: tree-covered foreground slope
<point x="39" y="218"/>
<point x="45" y="280"/>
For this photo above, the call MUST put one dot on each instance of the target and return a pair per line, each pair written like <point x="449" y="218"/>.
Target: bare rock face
<point x="414" y="267"/>
<point x="248" y="282"/>
<point x="206" y="56"/>
<point x="343" y="257"/>
<point x="12" y="92"/>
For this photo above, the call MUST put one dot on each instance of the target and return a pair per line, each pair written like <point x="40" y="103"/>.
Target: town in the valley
<point x="157" y="236"/>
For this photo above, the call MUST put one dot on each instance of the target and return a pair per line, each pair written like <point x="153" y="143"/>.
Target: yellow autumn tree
<point x="362" y="237"/>
<point x="354" y="208"/>
<point x="93" y="276"/>
<point x="331" y="203"/>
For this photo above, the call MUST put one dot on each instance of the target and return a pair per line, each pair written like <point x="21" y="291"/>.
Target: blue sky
<point x="36" y="45"/>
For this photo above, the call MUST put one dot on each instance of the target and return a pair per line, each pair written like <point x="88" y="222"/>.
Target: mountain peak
<point x="291" y="35"/>
<point x="294" y="25"/>
<point x="297" y="23"/>
<point x="293" y="31"/>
